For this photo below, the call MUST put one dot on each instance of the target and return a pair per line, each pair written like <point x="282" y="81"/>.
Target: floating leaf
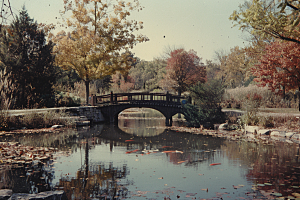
<point x="261" y="185"/>
<point x="215" y="164"/>
<point x="277" y="194"/>
<point x="267" y="183"/>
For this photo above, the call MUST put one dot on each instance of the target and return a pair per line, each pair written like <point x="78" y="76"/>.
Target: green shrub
<point x="196" y="116"/>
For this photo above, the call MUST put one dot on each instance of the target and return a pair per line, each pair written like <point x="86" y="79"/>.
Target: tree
<point x="269" y="19"/>
<point x="148" y="74"/>
<point x="121" y="83"/>
<point x="183" y="70"/>
<point x="25" y="54"/>
<point x="235" y="67"/>
<point x="279" y="67"/>
<point x="95" y="46"/>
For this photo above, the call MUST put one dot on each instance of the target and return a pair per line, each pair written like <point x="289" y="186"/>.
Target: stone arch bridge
<point x="112" y="104"/>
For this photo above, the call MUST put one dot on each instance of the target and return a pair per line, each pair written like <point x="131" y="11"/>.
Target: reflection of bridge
<point x="112" y="104"/>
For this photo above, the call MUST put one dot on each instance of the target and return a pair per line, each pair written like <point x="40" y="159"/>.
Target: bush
<point x="196" y="116"/>
<point x="236" y="98"/>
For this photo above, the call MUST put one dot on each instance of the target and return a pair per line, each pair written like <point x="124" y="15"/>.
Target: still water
<point x="140" y="159"/>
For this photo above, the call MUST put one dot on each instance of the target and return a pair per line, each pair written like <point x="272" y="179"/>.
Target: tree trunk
<point x="87" y="91"/>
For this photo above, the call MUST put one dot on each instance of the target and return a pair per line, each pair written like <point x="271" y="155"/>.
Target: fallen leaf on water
<point x="215" y="164"/>
<point x="200" y="174"/>
<point x="161" y="178"/>
<point x="267" y="183"/>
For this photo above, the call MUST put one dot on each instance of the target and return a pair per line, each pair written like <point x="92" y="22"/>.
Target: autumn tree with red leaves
<point x="184" y="69"/>
<point x="279" y="67"/>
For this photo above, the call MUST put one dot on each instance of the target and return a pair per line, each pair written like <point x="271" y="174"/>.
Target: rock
<point x="251" y="129"/>
<point x="296" y="136"/>
<point x="5" y="194"/>
<point x="275" y="133"/>
<point x="49" y="195"/>
<point x="263" y="132"/>
<point x="57" y="126"/>
<point x="289" y="134"/>
<point x="223" y="126"/>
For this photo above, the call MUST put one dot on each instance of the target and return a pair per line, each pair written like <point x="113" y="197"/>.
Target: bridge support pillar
<point x="169" y="121"/>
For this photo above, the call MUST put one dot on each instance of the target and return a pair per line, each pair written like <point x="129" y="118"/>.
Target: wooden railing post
<point x="151" y="97"/>
<point x="167" y="98"/>
<point x="94" y="100"/>
<point x="111" y="97"/>
<point x="116" y="98"/>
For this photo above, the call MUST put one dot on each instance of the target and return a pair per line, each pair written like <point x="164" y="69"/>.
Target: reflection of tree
<point x="276" y="164"/>
<point x="27" y="177"/>
<point x="95" y="181"/>
<point x="101" y="181"/>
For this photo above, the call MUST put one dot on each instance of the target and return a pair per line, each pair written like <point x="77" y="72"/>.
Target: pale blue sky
<point x="202" y="25"/>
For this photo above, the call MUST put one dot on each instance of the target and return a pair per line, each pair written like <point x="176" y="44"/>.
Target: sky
<point x="201" y="25"/>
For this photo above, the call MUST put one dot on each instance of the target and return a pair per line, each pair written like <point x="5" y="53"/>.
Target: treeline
<point x="39" y="69"/>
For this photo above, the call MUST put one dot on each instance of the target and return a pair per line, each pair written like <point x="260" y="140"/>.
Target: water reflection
<point x="171" y="163"/>
<point x="100" y="181"/>
<point x="142" y="122"/>
<point x="29" y="177"/>
<point x="273" y="168"/>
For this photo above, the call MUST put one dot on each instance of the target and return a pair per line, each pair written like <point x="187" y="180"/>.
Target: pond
<point x="140" y="159"/>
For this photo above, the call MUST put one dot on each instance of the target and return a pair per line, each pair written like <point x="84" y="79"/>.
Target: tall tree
<point x="183" y="70"/>
<point x="235" y="67"/>
<point x="279" y="67"/>
<point x="148" y="74"/>
<point x="100" y="32"/>
<point x="25" y="53"/>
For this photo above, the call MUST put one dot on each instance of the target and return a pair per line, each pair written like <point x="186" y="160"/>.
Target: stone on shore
<point x="296" y="136"/>
<point x="251" y="129"/>
<point x="223" y="126"/>
<point x="49" y="195"/>
<point x="289" y="134"/>
<point x="274" y="133"/>
<point x="264" y="132"/>
<point x="5" y="194"/>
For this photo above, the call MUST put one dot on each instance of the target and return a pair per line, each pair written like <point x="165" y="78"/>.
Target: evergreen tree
<point x="26" y="54"/>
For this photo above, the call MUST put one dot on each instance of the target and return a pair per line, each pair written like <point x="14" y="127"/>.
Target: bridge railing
<point x="115" y="98"/>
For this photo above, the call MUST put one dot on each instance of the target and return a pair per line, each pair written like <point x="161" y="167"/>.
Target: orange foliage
<point x="279" y="67"/>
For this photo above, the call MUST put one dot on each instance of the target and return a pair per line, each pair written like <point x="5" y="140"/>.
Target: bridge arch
<point x="111" y="112"/>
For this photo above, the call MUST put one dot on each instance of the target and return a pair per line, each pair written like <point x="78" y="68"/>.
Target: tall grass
<point x="35" y="120"/>
<point x="237" y="98"/>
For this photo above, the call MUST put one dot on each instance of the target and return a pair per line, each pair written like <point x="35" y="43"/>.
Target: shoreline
<point x="251" y="134"/>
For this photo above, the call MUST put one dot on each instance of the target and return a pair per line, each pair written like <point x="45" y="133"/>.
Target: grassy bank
<point x="34" y="120"/>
